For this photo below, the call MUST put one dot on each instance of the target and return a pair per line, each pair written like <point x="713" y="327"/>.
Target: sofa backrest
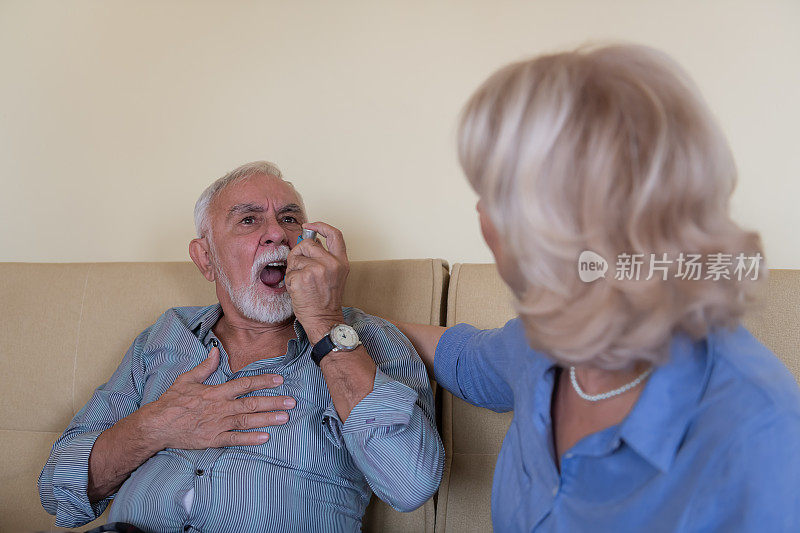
<point x="473" y="436"/>
<point x="65" y="328"/>
<point x="776" y="319"/>
<point x="409" y="291"/>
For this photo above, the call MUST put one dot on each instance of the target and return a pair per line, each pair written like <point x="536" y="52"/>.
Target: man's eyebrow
<point x="240" y="209"/>
<point x="290" y="208"/>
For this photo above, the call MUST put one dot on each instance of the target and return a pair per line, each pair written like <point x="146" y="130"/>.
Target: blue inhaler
<point x="307" y="234"/>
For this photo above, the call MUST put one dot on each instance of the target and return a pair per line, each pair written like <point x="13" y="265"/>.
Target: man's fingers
<point x="299" y="261"/>
<point x="309" y="253"/>
<point x="312" y="260"/>
<point x="333" y="238"/>
<point x="257" y="420"/>
<point x="260" y="404"/>
<point x="201" y="372"/>
<point x="241" y="386"/>
<point x="238" y="438"/>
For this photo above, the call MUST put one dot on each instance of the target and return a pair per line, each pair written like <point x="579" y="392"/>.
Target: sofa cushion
<point x="472" y="436"/>
<point x="776" y="319"/>
<point x="22" y="456"/>
<point x="39" y="338"/>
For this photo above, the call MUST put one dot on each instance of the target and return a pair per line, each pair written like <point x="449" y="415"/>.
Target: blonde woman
<point x="639" y="402"/>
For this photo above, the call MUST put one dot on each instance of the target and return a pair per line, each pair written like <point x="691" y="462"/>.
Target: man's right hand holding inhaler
<point x="189" y="415"/>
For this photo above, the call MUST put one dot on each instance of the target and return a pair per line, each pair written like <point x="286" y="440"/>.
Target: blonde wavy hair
<point x="612" y="150"/>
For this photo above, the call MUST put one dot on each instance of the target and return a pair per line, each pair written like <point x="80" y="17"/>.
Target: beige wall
<point x="115" y="115"/>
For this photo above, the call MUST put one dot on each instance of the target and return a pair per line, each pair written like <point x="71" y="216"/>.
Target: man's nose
<point x="274" y="234"/>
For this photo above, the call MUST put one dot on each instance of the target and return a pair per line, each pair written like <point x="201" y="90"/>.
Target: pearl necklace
<point x="609" y="394"/>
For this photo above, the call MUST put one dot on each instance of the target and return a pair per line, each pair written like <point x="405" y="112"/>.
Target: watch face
<point x="344" y="337"/>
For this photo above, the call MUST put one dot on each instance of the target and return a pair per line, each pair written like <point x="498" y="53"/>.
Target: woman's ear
<point x="506" y="263"/>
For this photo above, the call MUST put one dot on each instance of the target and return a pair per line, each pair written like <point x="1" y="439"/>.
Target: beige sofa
<point x="65" y="328"/>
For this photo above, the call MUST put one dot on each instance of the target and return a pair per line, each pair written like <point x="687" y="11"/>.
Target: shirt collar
<point x="658" y="422"/>
<point x="303" y="343"/>
<point x="202" y="322"/>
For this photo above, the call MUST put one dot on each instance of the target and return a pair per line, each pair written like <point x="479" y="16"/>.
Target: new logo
<point x="591" y="266"/>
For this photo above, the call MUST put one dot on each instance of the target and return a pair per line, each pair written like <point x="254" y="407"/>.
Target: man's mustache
<point x="281" y="253"/>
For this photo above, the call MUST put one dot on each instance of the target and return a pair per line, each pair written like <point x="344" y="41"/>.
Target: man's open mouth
<point x="273" y="274"/>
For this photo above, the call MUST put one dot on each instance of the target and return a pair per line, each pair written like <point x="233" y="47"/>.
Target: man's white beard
<point x="269" y="308"/>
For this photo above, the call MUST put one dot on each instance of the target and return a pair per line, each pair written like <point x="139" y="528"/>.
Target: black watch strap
<point x="321" y="349"/>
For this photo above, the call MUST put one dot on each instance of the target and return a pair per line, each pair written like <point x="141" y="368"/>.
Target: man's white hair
<point x="201" y="218"/>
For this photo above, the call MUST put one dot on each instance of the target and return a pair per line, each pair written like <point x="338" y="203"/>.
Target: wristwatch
<point x="342" y="338"/>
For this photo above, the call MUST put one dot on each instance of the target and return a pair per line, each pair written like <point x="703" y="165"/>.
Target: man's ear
<point x="200" y="253"/>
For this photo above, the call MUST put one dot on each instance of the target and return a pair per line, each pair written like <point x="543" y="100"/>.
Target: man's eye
<point x="248" y="220"/>
<point x="290" y="220"/>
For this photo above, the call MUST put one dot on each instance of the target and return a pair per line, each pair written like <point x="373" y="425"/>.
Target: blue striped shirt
<point x="315" y="473"/>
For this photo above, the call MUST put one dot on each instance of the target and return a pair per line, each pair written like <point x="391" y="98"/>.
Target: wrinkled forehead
<point x="257" y="189"/>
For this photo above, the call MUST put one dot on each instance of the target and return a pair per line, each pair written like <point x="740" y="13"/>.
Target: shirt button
<point x="569" y="456"/>
<point x="555" y="490"/>
<point x="215" y="344"/>
<point x="199" y="472"/>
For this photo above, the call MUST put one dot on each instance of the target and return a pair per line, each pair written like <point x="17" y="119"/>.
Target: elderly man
<point x="178" y="436"/>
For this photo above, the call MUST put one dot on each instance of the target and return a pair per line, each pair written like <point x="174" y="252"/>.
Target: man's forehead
<point x="258" y="189"/>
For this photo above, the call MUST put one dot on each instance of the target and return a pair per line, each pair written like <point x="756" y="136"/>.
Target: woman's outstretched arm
<point x="424" y="338"/>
